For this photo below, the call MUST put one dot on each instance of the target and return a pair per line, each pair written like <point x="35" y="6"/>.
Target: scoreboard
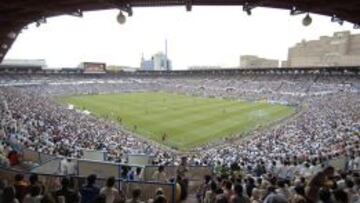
<point x="93" y="67"/>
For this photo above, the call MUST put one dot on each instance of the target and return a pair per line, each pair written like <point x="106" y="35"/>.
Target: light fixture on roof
<point x="121" y="18"/>
<point x="128" y="9"/>
<point x="248" y="7"/>
<point x="295" y="11"/>
<point x="123" y="7"/>
<point x="40" y="21"/>
<point x="307" y="20"/>
<point x="336" y="19"/>
<point x="4" y="46"/>
<point x="77" y="13"/>
<point x="11" y="35"/>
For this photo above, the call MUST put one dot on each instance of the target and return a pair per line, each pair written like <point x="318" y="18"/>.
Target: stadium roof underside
<point x="16" y="14"/>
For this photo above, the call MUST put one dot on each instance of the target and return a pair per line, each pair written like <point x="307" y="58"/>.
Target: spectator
<point x="205" y="186"/>
<point x="2" y="186"/>
<point x="238" y="196"/>
<point x="210" y="195"/>
<point x="136" y="193"/>
<point x="34" y="181"/>
<point x="21" y="187"/>
<point x="99" y="199"/>
<point x="34" y="195"/>
<point x="182" y="171"/>
<point x="256" y="196"/>
<point x="67" y="166"/>
<point x="89" y="191"/>
<point x="352" y="194"/>
<point x="48" y="198"/>
<point x="312" y="191"/>
<point x="250" y="185"/>
<point x="160" y="175"/>
<point x="221" y="198"/>
<point x="325" y="196"/>
<point x="298" y="195"/>
<point x="65" y="193"/>
<point x="159" y="196"/>
<point x="8" y="196"/>
<point x="273" y="197"/>
<point x="226" y="187"/>
<point x="340" y="196"/>
<point x="160" y="199"/>
<point x="111" y="193"/>
<point x="283" y="189"/>
<point x="135" y="174"/>
<point x="14" y="158"/>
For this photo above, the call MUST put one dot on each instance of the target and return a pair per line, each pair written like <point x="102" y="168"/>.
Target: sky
<point x="206" y="36"/>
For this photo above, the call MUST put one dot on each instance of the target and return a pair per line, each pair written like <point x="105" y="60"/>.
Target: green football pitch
<point x="180" y="121"/>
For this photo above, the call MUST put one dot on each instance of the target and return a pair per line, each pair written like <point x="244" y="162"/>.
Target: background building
<point x="159" y="61"/>
<point x="204" y="67"/>
<point x="251" y="61"/>
<point x="25" y="62"/>
<point x="342" y="49"/>
<point x="147" y="64"/>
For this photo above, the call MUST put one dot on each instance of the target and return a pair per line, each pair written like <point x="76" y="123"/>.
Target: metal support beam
<point x="188" y="4"/>
<point x="124" y="6"/>
<point x="77" y="13"/>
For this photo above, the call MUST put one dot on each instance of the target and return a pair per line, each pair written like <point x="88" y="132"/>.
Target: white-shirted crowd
<point x="269" y="165"/>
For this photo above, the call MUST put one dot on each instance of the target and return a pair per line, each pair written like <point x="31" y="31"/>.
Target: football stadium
<point x="256" y="133"/>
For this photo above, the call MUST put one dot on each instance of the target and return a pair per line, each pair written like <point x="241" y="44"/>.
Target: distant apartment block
<point x="251" y="61"/>
<point x="158" y="61"/>
<point x="342" y="49"/>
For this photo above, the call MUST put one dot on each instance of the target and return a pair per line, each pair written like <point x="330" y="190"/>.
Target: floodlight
<point x="11" y="35"/>
<point x="121" y="18"/>
<point x="4" y="46"/>
<point x="307" y="20"/>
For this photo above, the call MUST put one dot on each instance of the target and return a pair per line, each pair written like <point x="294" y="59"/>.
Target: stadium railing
<point x="52" y="183"/>
<point x="48" y="169"/>
<point x="30" y="158"/>
<point x="36" y="157"/>
<point x="195" y="173"/>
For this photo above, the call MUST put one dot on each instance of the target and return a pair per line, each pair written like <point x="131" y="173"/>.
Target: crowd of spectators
<point x="34" y="191"/>
<point x="289" y="162"/>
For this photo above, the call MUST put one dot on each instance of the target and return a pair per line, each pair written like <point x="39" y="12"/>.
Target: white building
<point x="159" y="62"/>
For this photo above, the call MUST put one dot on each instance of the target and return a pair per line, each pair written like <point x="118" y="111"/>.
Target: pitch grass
<point x="187" y="121"/>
